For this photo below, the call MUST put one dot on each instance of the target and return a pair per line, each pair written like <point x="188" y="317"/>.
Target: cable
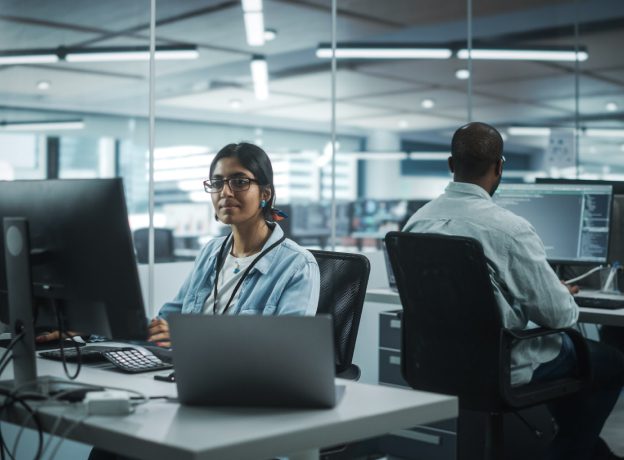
<point x="61" y="329"/>
<point x="12" y="399"/>
<point x="584" y="275"/>
<point x="5" y="355"/>
<point x="65" y="434"/>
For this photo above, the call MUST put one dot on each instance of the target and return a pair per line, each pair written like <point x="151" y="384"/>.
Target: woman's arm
<point x="301" y="294"/>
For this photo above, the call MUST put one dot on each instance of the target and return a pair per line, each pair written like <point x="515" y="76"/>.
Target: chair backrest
<point x="344" y="277"/>
<point x="163" y="244"/>
<point x="451" y="325"/>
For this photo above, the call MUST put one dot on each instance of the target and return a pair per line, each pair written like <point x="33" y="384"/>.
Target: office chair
<point x="453" y="340"/>
<point x="344" y="278"/>
<point x="163" y="245"/>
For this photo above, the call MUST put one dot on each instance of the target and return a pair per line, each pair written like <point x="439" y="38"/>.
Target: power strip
<point x="108" y="402"/>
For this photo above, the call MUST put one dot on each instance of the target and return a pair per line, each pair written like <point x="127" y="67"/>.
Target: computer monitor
<point x="377" y="217"/>
<point x="81" y="263"/>
<point x="573" y="221"/>
<point x="616" y="234"/>
<point x="313" y="220"/>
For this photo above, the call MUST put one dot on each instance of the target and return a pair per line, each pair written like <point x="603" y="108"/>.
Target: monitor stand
<point x="18" y="274"/>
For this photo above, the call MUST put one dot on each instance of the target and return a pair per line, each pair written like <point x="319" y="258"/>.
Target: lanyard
<point x="221" y="261"/>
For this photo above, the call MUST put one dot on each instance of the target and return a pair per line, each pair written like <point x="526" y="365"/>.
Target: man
<point x="526" y="289"/>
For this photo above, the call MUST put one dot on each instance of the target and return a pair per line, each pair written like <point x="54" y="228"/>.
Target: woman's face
<point x="234" y="207"/>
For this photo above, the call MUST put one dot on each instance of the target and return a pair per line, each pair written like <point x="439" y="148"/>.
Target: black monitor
<point x="573" y="221"/>
<point x="314" y="219"/>
<point x="377" y="217"/>
<point x="81" y="262"/>
<point x="616" y="234"/>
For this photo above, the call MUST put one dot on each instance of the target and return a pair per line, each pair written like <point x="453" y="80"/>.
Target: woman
<point x="255" y="269"/>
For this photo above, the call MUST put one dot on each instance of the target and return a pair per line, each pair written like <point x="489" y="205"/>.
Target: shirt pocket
<point x="254" y="310"/>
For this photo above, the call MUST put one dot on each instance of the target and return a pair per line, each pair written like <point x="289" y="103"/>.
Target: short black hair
<point x="257" y="161"/>
<point x="475" y="146"/>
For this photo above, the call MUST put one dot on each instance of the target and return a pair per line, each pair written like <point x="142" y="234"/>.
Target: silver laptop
<point x="282" y="361"/>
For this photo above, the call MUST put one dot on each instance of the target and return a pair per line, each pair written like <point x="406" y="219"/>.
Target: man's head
<point x="477" y="156"/>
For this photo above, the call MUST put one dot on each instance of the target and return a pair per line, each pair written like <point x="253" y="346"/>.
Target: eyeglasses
<point x="236" y="184"/>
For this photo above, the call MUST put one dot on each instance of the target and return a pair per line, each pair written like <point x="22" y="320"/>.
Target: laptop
<point x="282" y="361"/>
<point x="594" y="298"/>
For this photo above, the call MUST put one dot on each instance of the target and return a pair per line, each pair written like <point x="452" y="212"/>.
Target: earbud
<point x="263" y="203"/>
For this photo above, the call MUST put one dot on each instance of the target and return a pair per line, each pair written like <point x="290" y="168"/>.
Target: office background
<point x="393" y="117"/>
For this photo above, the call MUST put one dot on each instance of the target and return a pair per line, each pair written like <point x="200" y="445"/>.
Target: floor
<point x="613" y="431"/>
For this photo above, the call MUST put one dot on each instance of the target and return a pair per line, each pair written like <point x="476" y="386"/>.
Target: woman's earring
<point x="263" y="203"/>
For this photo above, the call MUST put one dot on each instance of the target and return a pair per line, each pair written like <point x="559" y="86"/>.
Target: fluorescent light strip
<point x="611" y="133"/>
<point x="523" y="55"/>
<point x="260" y="77"/>
<point x="429" y="156"/>
<point x="385" y="53"/>
<point x="254" y="28"/>
<point x="42" y="125"/>
<point x="102" y="56"/>
<point x="29" y="59"/>
<point x="528" y="131"/>
<point x="251" y="5"/>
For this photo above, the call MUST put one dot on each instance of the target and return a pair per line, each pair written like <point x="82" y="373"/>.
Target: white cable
<point x="65" y="434"/>
<point x="584" y="275"/>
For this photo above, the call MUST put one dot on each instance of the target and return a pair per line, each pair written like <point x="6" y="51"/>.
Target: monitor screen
<point x="572" y="220"/>
<point x="378" y="217"/>
<point x="314" y="219"/>
<point x="82" y="257"/>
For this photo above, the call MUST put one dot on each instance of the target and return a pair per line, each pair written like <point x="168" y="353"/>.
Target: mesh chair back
<point x="344" y="278"/>
<point x="163" y="244"/>
<point x="451" y="321"/>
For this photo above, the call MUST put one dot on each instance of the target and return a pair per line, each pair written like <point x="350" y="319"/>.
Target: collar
<point x="265" y="263"/>
<point x="466" y="188"/>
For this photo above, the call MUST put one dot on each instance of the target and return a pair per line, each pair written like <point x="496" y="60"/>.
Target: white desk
<point x="165" y="430"/>
<point x="586" y="315"/>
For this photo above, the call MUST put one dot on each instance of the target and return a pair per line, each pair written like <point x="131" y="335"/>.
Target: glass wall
<point x="260" y="72"/>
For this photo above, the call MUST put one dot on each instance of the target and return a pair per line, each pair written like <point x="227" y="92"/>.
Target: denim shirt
<point x="285" y="281"/>
<point x="525" y="287"/>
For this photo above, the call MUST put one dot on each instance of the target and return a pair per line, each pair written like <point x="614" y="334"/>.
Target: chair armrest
<point x="580" y="346"/>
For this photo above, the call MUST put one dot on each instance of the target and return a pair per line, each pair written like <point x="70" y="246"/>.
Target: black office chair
<point x="163" y="245"/>
<point x="453" y="341"/>
<point x="344" y="278"/>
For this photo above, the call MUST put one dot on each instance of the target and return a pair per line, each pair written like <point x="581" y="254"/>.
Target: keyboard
<point x="597" y="299"/>
<point x="127" y="359"/>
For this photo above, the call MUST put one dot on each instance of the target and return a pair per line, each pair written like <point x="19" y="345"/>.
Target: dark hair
<point x="474" y="148"/>
<point x="256" y="160"/>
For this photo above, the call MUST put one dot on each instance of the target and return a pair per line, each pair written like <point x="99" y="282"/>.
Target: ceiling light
<point x="613" y="133"/>
<point x="376" y="51"/>
<point x="43" y="85"/>
<point x="254" y="28"/>
<point x="180" y="151"/>
<point x="528" y="131"/>
<point x="403" y="124"/>
<point x="429" y="156"/>
<point x="611" y="106"/>
<point x="251" y="5"/>
<point x="260" y="77"/>
<point x="42" y="125"/>
<point x="45" y="57"/>
<point x="427" y="103"/>
<point x="270" y="34"/>
<point x="524" y="54"/>
<point x="381" y="156"/>
<point x="235" y="104"/>
<point x="462" y="74"/>
<point x="130" y="53"/>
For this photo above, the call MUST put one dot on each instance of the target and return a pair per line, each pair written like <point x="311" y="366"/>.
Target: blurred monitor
<point x="616" y="233"/>
<point x="313" y="220"/>
<point x="412" y="207"/>
<point x="572" y="220"/>
<point x="82" y="258"/>
<point x="375" y="218"/>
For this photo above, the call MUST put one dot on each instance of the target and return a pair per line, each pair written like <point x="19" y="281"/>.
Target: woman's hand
<point x="159" y="332"/>
<point x="51" y="336"/>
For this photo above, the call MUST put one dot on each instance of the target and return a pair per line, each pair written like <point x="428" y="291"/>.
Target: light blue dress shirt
<point x="526" y="288"/>
<point x="285" y="281"/>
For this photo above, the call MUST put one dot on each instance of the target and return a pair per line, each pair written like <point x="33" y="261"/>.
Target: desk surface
<point x="586" y="315"/>
<point x="164" y="430"/>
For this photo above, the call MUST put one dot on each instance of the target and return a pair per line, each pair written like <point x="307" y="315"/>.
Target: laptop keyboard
<point x="600" y="302"/>
<point x="126" y="359"/>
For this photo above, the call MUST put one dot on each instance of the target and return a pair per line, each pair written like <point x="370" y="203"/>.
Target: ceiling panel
<point x="591" y="105"/>
<point x="23" y="36"/>
<point x="64" y="85"/>
<point x="321" y="111"/>
<point x="511" y="113"/>
<point x="348" y="84"/>
<point x="221" y="99"/>
<point x="538" y="89"/>
<point x="405" y="122"/>
<point x="411" y="101"/>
